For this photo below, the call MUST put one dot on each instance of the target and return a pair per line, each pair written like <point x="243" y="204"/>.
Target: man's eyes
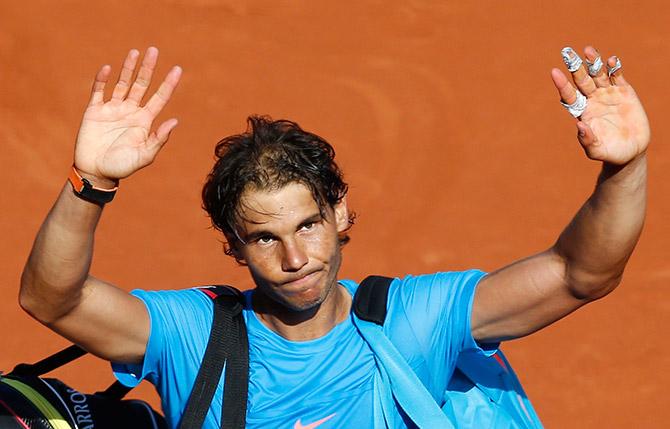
<point x="266" y="239"/>
<point x="307" y="226"/>
<point x="269" y="239"/>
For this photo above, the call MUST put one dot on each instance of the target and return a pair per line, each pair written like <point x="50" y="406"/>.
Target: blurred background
<point x="445" y="122"/>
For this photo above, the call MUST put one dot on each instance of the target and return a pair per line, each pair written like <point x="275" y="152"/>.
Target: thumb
<point x="588" y="140"/>
<point x="158" y="138"/>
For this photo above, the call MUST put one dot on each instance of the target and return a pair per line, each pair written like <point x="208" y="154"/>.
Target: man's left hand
<point x="614" y="127"/>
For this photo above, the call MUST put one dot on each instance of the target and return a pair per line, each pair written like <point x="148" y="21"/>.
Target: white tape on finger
<point x="595" y="66"/>
<point x="572" y="61"/>
<point x="614" y="68"/>
<point x="578" y="107"/>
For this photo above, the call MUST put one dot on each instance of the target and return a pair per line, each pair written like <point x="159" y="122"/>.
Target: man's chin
<point x="305" y="294"/>
<point x="302" y="304"/>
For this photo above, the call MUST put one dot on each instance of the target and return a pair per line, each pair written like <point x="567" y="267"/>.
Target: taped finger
<point x="572" y="61"/>
<point x="613" y="69"/>
<point x="595" y="63"/>
<point x="579" y="74"/>
<point x="594" y="67"/>
<point x="576" y="108"/>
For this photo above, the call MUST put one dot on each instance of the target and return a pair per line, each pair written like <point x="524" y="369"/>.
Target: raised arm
<point x="114" y="141"/>
<point x="588" y="259"/>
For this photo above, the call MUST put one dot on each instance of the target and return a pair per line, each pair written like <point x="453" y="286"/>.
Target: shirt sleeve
<point x="429" y="321"/>
<point x="169" y="343"/>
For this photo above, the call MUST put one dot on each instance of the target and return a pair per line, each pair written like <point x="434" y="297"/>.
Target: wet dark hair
<point x="268" y="156"/>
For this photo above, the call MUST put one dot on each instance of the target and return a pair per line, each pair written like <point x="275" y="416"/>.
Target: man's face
<point x="292" y="250"/>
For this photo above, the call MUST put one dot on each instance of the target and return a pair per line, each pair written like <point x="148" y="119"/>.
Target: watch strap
<point x="84" y="189"/>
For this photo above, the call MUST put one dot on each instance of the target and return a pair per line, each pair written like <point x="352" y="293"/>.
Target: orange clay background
<point x="445" y="122"/>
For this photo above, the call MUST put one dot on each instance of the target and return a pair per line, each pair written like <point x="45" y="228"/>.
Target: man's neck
<point x="304" y="325"/>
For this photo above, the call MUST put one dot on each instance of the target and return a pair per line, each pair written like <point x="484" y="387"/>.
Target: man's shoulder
<point x="183" y="293"/>
<point x="433" y="290"/>
<point x="439" y="278"/>
<point x="171" y="302"/>
<point x="415" y="295"/>
<point x="424" y="280"/>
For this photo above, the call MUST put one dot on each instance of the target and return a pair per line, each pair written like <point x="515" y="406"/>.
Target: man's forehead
<point x="265" y="206"/>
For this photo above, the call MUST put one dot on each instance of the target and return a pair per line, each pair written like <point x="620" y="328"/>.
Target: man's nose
<point x="294" y="257"/>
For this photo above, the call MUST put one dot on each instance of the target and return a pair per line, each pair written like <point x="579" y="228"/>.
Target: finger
<point x="98" y="90"/>
<point x="596" y="67"/>
<point x="589" y="141"/>
<point x="158" y="139"/>
<point x="164" y="92"/>
<point x="614" y="71"/>
<point x="143" y="76"/>
<point x="585" y="135"/>
<point x="126" y="75"/>
<point x="565" y="89"/>
<point x="579" y="74"/>
<point x="573" y="100"/>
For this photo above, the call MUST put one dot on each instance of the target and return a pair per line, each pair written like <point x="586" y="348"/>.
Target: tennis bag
<point x="28" y="401"/>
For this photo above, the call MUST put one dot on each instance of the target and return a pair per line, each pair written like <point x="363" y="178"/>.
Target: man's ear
<point x="341" y="215"/>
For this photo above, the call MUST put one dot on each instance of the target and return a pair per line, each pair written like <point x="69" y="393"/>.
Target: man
<point x="279" y="199"/>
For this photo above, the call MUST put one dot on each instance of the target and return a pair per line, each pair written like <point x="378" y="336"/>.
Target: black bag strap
<point x="228" y="343"/>
<point x="236" y="384"/>
<point x="49" y="363"/>
<point x="115" y="391"/>
<point x="371" y="297"/>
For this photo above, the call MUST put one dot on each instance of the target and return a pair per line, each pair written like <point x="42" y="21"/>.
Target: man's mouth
<point x="301" y="281"/>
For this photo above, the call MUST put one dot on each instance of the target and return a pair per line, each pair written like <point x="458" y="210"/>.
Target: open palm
<point x="115" y="137"/>
<point x="614" y="127"/>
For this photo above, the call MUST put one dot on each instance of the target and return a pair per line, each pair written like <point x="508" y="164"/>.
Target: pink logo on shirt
<point x="299" y="425"/>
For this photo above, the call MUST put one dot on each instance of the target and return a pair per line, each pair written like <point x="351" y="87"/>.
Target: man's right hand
<point x="114" y="141"/>
<point x="115" y="137"/>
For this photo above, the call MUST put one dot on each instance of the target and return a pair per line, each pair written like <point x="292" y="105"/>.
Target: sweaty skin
<point x="589" y="257"/>
<point x="115" y="140"/>
<point x="291" y="248"/>
<point x="294" y="256"/>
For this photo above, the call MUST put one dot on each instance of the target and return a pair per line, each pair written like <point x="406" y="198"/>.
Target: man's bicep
<point x="522" y="298"/>
<point x="108" y="322"/>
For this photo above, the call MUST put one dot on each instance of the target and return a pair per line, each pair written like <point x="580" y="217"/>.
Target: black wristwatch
<point x="85" y="190"/>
